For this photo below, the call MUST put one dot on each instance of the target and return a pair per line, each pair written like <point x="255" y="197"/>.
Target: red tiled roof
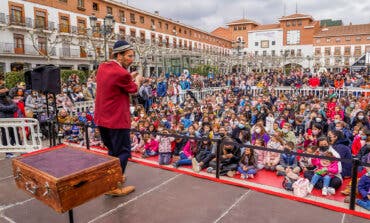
<point x="267" y="26"/>
<point x="223" y="33"/>
<point x="296" y="16"/>
<point x="344" y="30"/>
<point x="242" y="21"/>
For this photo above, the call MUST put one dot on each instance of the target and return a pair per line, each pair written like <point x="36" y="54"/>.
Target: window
<point x="299" y="22"/>
<point x="358" y="38"/>
<point x="256" y="53"/>
<point x="292" y="52"/>
<point x="142" y="37"/>
<point x="109" y="10"/>
<point x="18" y="44"/>
<point x="367" y="49"/>
<point x="264" y="53"/>
<point x="166" y="25"/>
<point x="235" y="28"/>
<point x="42" y="45"/>
<point x="317" y="51"/>
<point x="357" y="50"/>
<point x="40" y="21"/>
<point x="122" y="16"/>
<point x="160" y="24"/>
<point x="272" y="52"/>
<point x="264" y="44"/>
<point x="95" y="6"/>
<point x="328" y="40"/>
<point x="299" y="52"/>
<point x="81" y="26"/>
<point x="185" y="32"/>
<point x="368" y="38"/>
<point x="142" y="19"/>
<point x="244" y="28"/>
<point x="273" y="43"/>
<point x="179" y="30"/>
<point x="239" y="28"/>
<point x="64" y="24"/>
<point x="255" y="43"/>
<point x="348" y="38"/>
<point x="132" y="17"/>
<point x="293" y="37"/>
<point x="337" y="51"/>
<point x="293" y="23"/>
<point x="133" y="33"/>
<point x="347" y="51"/>
<point x="327" y="51"/>
<point x="288" y="23"/>
<point x="122" y="33"/>
<point x="318" y="40"/>
<point x="16" y="16"/>
<point x="337" y="39"/>
<point x="81" y="4"/>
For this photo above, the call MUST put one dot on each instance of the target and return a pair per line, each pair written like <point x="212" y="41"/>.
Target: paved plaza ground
<point x="165" y="196"/>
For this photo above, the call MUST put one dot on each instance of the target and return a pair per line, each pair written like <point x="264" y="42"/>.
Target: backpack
<point x="300" y="187"/>
<point x="288" y="183"/>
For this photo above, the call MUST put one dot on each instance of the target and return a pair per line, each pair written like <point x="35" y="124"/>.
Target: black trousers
<point x="118" y="143"/>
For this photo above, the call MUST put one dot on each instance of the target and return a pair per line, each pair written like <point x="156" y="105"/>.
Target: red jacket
<point x="112" y="102"/>
<point x="314" y="82"/>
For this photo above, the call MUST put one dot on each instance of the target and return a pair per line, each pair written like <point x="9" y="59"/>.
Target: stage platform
<point x="168" y="196"/>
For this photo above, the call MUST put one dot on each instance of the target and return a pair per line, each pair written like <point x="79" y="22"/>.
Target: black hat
<point x="121" y="46"/>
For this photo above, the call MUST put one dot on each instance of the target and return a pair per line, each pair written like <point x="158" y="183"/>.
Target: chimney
<point x="350" y="23"/>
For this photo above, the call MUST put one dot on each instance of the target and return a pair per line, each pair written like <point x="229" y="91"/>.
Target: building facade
<point x="297" y="40"/>
<point x="37" y="32"/>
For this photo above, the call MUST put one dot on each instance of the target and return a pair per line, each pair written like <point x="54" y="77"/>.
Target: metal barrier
<point x="20" y="135"/>
<point x="319" y="91"/>
<point x="83" y="106"/>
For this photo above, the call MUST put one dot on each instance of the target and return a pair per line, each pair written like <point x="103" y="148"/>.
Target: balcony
<point x="66" y="52"/>
<point x="22" y="23"/>
<point x="12" y="49"/>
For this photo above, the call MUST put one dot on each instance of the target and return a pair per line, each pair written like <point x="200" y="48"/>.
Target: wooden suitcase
<point x="66" y="177"/>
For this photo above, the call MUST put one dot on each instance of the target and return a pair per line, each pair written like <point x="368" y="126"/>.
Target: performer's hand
<point x="134" y="74"/>
<point x="139" y="79"/>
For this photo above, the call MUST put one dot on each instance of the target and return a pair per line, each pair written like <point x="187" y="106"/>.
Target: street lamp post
<point x="284" y="54"/>
<point x="108" y="24"/>
<point x="239" y="44"/>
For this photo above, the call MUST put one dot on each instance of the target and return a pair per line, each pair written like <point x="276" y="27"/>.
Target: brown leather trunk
<point x="66" y="177"/>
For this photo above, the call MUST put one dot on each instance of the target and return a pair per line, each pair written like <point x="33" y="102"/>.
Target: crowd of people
<point x="331" y="126"/>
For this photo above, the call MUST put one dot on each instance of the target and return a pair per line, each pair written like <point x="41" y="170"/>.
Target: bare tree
<point x="45" y="41"/>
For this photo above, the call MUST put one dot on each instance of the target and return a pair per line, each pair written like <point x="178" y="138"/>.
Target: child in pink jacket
<point x="325" y="169"/>
<point x="151" y="147"/>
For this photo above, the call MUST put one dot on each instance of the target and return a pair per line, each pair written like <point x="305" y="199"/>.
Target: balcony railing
<point x="66" y="52"/>
<point x="25" y="22"/>
<point x="25" y="49"/>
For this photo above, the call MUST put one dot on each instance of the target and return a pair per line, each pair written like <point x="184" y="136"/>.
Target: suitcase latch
<point x="47" y="190"/>
<point x="31" y="189"/>
<point x="18" y="174"/>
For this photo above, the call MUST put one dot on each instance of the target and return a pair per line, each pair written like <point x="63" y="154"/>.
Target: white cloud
<point x="210" y="14"/>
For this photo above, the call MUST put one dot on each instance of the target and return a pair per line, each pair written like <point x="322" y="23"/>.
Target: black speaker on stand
<point x="46" y="79"/>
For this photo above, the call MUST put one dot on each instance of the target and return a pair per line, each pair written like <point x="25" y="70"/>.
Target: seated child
<point x="151" y="147"/>
<point x="325" y="169"/>
<point x="203" y="156"/>
<point x="272" y="159"/>
<point x="364" y="188"/>
<point x="187" y="153"/>
<point x="248" y="164"/>
<point x="288" y="162"/>
<point x="164" y="149"/>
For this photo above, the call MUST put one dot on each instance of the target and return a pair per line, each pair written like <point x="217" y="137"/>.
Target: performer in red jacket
<point x="112" y="105"/>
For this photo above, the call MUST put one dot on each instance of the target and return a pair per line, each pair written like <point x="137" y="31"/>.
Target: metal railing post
<point x="86" y="128"/>
<point x="356" y="164"/>
<point x="218" y="150"/>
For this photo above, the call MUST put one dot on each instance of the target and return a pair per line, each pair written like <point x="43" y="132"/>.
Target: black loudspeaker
<point x="44" y="78"/>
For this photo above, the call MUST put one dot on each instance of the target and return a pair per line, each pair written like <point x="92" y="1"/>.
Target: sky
<point x="210" y="14"/>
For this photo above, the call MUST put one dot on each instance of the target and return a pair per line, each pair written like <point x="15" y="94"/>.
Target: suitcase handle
<point x="80" y="184"/>
<point x="31" y="189"/>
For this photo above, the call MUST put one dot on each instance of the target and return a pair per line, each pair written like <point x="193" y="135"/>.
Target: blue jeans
<point x="150" y="152"/>
<point x="317" y="177"/>
<point x="249" y="171"/>
<point x="164" y="158"/>
<point x="184" y="160"/>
